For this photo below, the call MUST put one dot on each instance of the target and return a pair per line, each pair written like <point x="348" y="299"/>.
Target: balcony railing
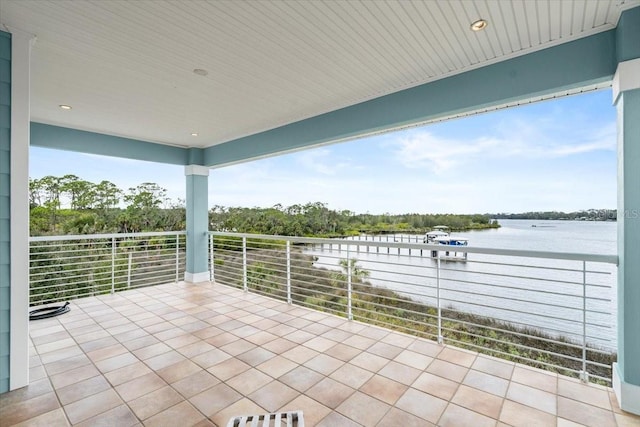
<point x="550" y="310"/>
<point x="66" y="267"/>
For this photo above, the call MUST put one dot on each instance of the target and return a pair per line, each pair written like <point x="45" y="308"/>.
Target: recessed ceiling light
<point x="479" y="25"/>
<point x="194" y="133"/>
<point x="200" y="72"/>
<point x="65" y="107"/>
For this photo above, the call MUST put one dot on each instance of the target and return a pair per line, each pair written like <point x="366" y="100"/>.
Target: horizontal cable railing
<point x="552" y="310"/>
<point x="68" y="267"/>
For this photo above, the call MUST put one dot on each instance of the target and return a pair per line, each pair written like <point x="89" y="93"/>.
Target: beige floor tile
<point x="330" y="392"/>
<point x="518" y="415"/>
<point x="363" y="409"/>
<point x="261" y="337"/>
<point x="238" y="347"/>
<point x="140" y="342"/>
<point x="300" y="354"/>
<point x="343" y="352"/>
<point x="221" y="339"/>
<point x="627" y="420"/>
<point x="359" y="342"/>
<point x="486" y="382"/>
<point x="324" y="364"/>
<point x="320" y="344"/>
<point x="228" y="368"/>
<point x="178" y="371"/>
<point x="163" y="360"/>
<point x="384" y="389"/>
<point x="127" y="373"/>
<point x="279" y="345"/>
<point x="312" y="413"/>
<point x="273" y="395"/>
<point x="422" y="405"/>
<point x="414" y="359"/>
<point x="335" y="419"/>
<point x="351" y="375"/>
<point x="183" y="414"/>
<point x="584" y="414"/>
<point x="154" y="402"/>
<point x="91" y="406"/>
<point x="152" y="350"/>
<point x="120" y="416"/>
<point x="478" y="401"/>
<point x="195" y="383"/>
<point x="82" y="389"/>
<point x="532" y="397"/>
<point x="584" y="393"/>
<point x="374" y="332"/>
<point x="398" y="339"/>
<point x="455" y="416"/>
<point x="387" y="351"/>
<point x="300" y="336"/>
<point x="395" y="417"/>
<point x="249" y="381"/>
<point x="457" y="356"/>
<point x="181" y="341"/>
<point x="214" y="399"/>
<point x="277" y="366"/>
<point x="400" y="373"/>
<point x="107" y="352"/>
<point x="447" y="370"/>
<point x="98" y="344"/>
<point x="210" y="358"/>
<point x="536" y="378"/>
<point x="116" y="362"/>
<point x="491" y="365"/>
<point x="65" y="365"/>
<point x="25" y="409"/>
<point x="301" y="378"/>
<point x="55" y="418"/>
<point x="256" y="356"/>
<point x="370" y="362"/>
<point x="140" y="386"/>
<point x="436" y="385"/>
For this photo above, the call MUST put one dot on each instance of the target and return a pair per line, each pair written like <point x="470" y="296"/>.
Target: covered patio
<point x="200" y="354"/>
<point x="209" y="84"/>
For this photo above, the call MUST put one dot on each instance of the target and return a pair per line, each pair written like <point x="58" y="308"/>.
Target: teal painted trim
<point x="629" y="235"/>
<point x="5" y="205"/>
<point x="197" y="223"/>
<point x="195" y="156"/>
<point x="571" y="65"/>
<point x="61" y="138"/>
<point x="628" y="35"/>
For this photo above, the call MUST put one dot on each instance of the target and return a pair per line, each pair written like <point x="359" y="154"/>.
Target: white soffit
<point x="126" y="67"/>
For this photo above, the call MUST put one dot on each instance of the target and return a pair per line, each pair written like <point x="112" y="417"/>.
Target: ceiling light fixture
<point x="200" y="72"/>
<point x="194" y="133"/>
<point x="479" y="25"/>
<point x="65" y="107"/>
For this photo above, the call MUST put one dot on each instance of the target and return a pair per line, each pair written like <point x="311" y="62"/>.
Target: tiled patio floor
<point x="181" y="355"/>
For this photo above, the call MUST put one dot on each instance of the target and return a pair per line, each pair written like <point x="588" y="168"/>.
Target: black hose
<point x="44" y="313"/>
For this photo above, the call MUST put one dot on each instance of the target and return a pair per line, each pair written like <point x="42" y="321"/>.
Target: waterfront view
<point x="528" y="292"/>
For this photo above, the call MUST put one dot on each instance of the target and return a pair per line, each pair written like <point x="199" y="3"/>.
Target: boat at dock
<point x="441" y="236"/>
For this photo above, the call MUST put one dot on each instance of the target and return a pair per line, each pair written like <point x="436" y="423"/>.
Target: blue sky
<point x="552" y="155"/>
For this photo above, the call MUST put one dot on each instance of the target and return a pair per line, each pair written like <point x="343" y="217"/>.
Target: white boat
<point x="438" y="232"/>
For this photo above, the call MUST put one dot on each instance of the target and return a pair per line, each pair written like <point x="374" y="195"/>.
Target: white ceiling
<point x="126" y="67"/>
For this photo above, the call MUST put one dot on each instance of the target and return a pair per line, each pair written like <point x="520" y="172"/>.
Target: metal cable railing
<point x="68" y="267"/>
<point x="548" y="309"/>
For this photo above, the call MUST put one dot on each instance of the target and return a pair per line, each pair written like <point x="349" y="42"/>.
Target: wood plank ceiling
<point x="127" y="67"/>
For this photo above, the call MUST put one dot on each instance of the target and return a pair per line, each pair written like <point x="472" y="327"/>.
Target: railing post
<point x="113" y="265"/>
<point x="129" y="270"/>
<point x="211" y="257"/>
<point x="288" y="272"/>
<point x="177" y="258"/>
<point x="349" y="311"/>
<point x="440" y="336"/>
<point x="584" y="375"/>
<point x="244" y="264"/>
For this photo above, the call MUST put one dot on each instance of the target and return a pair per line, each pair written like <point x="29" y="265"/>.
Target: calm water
<point x="539" y="293"/>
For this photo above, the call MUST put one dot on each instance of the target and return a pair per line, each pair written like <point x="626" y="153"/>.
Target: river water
<point x="545" y="294"/>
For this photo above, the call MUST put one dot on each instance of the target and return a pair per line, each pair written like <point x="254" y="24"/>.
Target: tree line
<point x="583" y="215"/>
<point x="71" y="205"/>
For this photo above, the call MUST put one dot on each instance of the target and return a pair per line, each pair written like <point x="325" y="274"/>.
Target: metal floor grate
<point x="276" y="419"/>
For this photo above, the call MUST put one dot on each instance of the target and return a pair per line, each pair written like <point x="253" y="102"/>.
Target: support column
<point x="197" y="224"/>
<point x="626" y="98"/>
